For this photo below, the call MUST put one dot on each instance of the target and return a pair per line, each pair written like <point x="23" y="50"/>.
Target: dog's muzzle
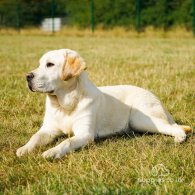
<point x="29" y="78"/>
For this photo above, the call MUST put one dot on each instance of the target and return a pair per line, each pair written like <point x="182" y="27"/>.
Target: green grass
<point x="111" y="166"/>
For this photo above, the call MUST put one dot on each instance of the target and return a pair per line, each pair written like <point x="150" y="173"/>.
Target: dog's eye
<point x="49" y="64"/>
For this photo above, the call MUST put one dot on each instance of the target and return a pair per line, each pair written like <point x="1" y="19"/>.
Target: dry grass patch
<point x="111" y="166"/>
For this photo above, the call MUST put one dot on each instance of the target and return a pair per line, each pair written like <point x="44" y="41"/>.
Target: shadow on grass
<point x="99" y="140"/>
<point x="125" y="135"/>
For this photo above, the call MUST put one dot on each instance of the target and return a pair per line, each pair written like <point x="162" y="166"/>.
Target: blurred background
<point x="53" y="15"/>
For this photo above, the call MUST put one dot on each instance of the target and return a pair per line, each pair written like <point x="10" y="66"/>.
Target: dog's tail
<point x="186" y="128"/>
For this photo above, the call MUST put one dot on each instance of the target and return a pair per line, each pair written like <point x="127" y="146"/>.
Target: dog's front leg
<point x="83" y="134"/>
<point x="67" y="146"/>
<point x="44" y="136"/>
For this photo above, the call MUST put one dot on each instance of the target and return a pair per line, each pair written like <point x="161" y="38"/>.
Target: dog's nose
<point x="29" y="76"/>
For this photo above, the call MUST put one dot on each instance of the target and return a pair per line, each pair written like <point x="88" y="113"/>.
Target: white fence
<point x="51" y="24"/>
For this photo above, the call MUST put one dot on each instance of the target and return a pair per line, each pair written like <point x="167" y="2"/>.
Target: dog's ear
<point x="73" y="66"/>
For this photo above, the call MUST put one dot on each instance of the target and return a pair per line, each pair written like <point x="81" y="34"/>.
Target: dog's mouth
<point x="30" y="86"/>
<point x="50" y="92"/>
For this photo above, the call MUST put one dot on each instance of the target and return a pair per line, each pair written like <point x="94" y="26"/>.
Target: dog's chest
<point x="63" y="122"/>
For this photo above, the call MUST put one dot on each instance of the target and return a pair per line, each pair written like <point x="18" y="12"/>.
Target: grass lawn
<point x="116" y="165"/>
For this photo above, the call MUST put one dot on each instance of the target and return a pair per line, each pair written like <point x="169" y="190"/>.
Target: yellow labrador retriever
<point x="74" y="105"/>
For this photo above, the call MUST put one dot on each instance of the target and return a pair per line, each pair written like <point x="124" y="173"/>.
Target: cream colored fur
<point x="74" y="105"/>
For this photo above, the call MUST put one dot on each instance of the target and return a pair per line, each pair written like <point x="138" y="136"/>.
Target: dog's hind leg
<point x="145" y="123"/>
<point x="186" y="128"/>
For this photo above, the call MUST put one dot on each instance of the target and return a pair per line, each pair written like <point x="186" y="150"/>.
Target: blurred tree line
<point x="107" y="13"/>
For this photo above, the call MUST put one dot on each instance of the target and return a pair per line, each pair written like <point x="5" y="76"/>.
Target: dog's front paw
<point x="52" y="153"/>
<point x="23" y="150"/>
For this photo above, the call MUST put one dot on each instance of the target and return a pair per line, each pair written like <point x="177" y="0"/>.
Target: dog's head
<point x="56" y="69"/>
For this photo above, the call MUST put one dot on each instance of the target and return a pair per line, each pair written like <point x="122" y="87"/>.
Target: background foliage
<point x="107" y="13"/>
